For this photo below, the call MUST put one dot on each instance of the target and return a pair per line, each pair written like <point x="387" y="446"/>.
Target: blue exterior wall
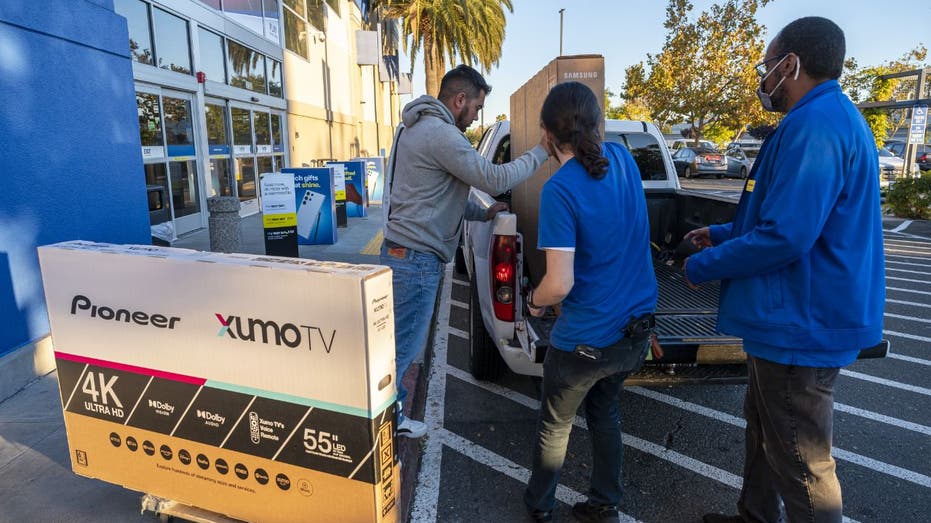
<point x="70" y="157"/>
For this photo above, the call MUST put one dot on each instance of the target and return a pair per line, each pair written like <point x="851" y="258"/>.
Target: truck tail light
<point x="503" y="274"/>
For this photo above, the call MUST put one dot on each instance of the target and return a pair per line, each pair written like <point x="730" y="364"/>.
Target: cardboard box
<point x="526" y="103"/>
<point x="260" y="388"/>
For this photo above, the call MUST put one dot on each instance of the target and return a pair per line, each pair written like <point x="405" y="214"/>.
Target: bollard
<point x="223" y="223"/>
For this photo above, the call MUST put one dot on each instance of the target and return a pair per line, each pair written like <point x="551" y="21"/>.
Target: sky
<point x="624" y="31"/>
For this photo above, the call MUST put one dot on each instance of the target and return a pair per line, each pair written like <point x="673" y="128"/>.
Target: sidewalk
<point x="36" y="481"/>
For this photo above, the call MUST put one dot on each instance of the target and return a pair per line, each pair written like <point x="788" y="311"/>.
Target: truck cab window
<point x="646" y="152"/>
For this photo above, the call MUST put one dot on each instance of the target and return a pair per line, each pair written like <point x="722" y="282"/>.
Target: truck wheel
<point x="688" y="172"/>
<point x="485" y="362"/>
<point x="460" y="265"/>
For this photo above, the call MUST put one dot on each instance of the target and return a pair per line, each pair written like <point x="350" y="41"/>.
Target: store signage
<point x="279" y="216"/>
<point x="916" y="132"/>
<point x="374" y="177"/>
<point x="339" y="184"/>
<point x="315" y="201"/>
<point x="152" y="152"/>
<point x="356" y="194"/>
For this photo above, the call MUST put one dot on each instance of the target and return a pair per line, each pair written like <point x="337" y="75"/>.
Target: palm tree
<point x="472" y="30"/>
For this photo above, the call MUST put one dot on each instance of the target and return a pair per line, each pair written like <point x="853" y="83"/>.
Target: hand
<point x="685" y="274"/>
<point x="536" y="312"/>
<point x="700" y="238"/>
<point x="495" y="209"/>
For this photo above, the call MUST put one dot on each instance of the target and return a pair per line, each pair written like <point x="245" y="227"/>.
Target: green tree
<point x="704" y="75"/>
<point x="447" y="30"/>
<point x="862" y="84"/>
<point x="501" y="117"/>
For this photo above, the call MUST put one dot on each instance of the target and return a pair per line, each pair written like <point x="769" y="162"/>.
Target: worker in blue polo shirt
<point x="801" y="270"/>
<point x="594" y="229"/>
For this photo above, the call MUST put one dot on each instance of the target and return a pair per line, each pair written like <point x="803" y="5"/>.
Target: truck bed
<point x="686" y="328"/>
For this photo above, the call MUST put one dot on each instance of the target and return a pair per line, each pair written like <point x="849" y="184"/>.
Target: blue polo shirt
<point x="605" y="222"/>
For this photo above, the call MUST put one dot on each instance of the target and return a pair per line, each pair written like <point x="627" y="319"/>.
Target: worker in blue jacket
<point x="801" y="270"/>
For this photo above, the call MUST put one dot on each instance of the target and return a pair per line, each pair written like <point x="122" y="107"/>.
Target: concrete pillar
<point x="223" y="223"/>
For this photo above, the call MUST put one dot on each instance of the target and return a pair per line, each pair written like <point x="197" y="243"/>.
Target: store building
<point x="230" y="89"/>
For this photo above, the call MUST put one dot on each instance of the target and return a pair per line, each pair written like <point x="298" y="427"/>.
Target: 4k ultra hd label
<point x="189" y="408"/>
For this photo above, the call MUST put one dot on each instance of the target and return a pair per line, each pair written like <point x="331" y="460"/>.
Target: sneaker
<point x="721" y="518"/>
<point x="411" y="428"/>
<point x="586" y="511"/>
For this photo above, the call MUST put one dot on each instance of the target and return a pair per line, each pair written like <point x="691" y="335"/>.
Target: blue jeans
<point x="416" y="280"/>
<point x="790" y="412"/>
<point x="568" y="381"/>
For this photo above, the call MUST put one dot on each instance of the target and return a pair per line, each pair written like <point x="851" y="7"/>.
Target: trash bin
<point x="223" y="223"/>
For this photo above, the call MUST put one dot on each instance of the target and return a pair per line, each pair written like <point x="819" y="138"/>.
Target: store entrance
<point x="166" y="125"/>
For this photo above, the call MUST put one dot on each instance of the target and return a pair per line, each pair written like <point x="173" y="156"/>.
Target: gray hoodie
<point x="434" y="165"/>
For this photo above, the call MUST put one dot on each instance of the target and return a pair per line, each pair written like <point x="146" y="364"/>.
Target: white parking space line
<point x="914" y="254"/>
<point x="902" y="226"/>
<point x="460" y="304"/>
<point x="460" y="282"/>
<point x="882" y="418"/>
<point x="911" y="303"/>
<point x="903" y="317"/>
<point x="908" y="336"/>
<point x="838" y="453"/>
<point x="906" y="263"/>
<point x="898" y="240"/>
<point x="926" y="293"/>
<point x="907" y="279"/>
<point x="704" y="469"/>
<point x="427" y="491"/>
<point x="908" y="271"/>
<point x="676" y="458"/>
<point x="459" y="333"/>
<point x="509" y="468"/>
<point x="889" y="383"/>
<point x="909" y="359"/>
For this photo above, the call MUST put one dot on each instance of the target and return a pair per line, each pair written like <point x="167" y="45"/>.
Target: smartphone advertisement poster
<point x="339" y="182"/>
<point x="374" y="177"/>
<point x="315" y="201"/>
<point x="356" y="194"/>
<point x="279" y="214"/>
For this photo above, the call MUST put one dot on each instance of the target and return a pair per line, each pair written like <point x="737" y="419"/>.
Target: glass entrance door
<point x="183" y="178"/>
<point x="167" y="132"/>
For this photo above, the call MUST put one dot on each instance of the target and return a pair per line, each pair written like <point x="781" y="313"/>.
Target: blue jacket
<point x="802" y="264"/>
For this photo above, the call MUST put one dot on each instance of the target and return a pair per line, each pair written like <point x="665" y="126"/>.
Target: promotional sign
<point x="315" y="202"/>
<point x="269" y="400"/>
<point x="374" y="177"/>
<point x="356" y="194"/>
<point x="279" y="216"/>
<point x="339" y="178"/>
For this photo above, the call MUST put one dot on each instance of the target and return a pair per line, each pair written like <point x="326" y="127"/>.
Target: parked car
<point x="679" y="143"/>
<point x="922" y="155"/>
<point x="700" y="161"/>
<point x="891" y="167"/>
<point x="738" y="162"/>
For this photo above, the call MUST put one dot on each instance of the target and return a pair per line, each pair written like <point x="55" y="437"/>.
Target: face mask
<point x="766" y="99"/>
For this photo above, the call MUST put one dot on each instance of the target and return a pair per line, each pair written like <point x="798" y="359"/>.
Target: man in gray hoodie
<point x="431" y="168"/>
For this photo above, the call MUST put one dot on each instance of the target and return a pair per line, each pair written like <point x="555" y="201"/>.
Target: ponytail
<point x="571" y="113"/>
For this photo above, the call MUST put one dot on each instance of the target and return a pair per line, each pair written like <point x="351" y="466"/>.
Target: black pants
<point x="790" y="419"/>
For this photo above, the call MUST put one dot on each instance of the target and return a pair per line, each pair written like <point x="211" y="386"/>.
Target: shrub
<point x="911" y="198"/>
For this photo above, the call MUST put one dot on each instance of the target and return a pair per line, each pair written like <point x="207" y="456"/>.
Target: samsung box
<point x="261" y="388"/>
<point x="526" y="103"/>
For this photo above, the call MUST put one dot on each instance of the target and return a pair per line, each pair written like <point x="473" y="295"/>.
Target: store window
<point x="246" y="67"/>
<point x="150" y="125"/>
<point x="172" y="44"/>
<point x="213" y="3"/>
<point x="316" y="14"/>
<point x="263" y="135"/>
<point x="136" y="13"/>
<point x="277" y="145"/>
<point x="218" y="139"/>
<point x="334" y="5"/>
<point x="295" y="27"/>
<point x="272" y="20"/>
<point x="179" y="134"/>
<point x="212" y="63"/>
<point x="260" y="16"/>
<point x="274" y="78"/>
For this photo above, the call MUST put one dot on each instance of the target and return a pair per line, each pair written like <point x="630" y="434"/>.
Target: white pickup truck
<point x="499" y="265"/>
